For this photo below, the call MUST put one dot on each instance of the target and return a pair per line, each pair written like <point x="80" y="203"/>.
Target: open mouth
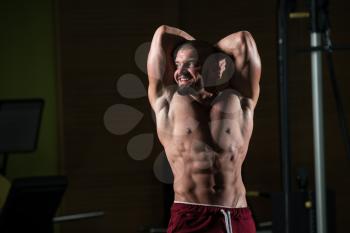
<point x="183" y="80"/>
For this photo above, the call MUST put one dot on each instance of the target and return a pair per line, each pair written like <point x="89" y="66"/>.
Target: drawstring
<point x="228" y="223"/>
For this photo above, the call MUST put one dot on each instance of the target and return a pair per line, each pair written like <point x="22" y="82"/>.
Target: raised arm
<point x="241" y="46"/>
<point x="160" y="65"/>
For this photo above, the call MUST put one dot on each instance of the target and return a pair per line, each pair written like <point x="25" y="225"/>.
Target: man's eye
<point x="191" y="64"/>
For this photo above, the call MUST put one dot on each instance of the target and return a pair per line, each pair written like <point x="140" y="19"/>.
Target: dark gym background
<point x="71" y="53"/>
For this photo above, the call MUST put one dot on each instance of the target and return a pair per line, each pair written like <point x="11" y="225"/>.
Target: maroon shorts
<point x="190" y="218"/>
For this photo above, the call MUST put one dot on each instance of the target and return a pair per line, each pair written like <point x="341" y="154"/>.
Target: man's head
<point x="189" y="58"/>
<point x="198" y="65"/>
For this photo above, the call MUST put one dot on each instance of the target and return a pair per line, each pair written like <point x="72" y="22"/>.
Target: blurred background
<point x="81" y="56"/>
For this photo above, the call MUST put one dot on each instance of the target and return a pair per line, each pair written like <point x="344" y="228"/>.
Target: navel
<point x="228" y="131"/>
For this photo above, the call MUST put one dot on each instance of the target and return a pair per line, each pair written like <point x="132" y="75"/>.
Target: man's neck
<point x="203" y="97"/>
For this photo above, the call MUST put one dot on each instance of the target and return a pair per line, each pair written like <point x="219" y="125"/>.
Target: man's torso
<point x="206" y="144"/>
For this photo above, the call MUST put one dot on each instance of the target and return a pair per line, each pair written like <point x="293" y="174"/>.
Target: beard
<point x="190" y="88"/>
<point x="186" y="90"/>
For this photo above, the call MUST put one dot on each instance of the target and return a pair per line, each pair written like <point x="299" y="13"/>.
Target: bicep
<point x="159" y="75"/>
<point x="156" y="66"/>
<point x="246" y="59"/>
<point x="246" y="79"/>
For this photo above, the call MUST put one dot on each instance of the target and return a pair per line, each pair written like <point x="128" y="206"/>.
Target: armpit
<point x="161" y="104"/>
<point x="246" y="103"/>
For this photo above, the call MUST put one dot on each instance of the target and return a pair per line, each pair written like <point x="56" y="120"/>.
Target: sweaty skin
<point x="206" y="132"/>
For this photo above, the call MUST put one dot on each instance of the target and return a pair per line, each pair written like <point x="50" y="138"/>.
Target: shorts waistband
<point x="179" y="206"/>
<point x="200" y="204"/>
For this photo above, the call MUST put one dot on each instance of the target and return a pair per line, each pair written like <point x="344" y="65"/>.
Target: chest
<point x="220" y="122"/>
<point x="225" y="108"/>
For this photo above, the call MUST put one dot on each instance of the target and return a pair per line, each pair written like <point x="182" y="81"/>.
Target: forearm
<point x="168" y="38"/>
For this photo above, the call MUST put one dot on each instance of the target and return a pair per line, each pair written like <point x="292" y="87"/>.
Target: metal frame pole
<point x="317" y="107"/>
<point x="284" y="121"/>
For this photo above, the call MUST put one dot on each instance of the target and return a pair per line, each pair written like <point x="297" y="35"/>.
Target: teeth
<point x="184" y="79"/>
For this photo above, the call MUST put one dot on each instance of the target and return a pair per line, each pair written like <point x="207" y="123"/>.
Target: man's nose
<point x="182" y="69"/>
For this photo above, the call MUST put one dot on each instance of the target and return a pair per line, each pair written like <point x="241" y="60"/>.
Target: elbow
<point x="246" y="34"/>
<point x="159" y="32"/>
<point x="161" y="29"/>
<point x="245" y="37"/>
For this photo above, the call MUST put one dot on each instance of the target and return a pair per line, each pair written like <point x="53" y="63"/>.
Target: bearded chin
<point x="185" y="90"/>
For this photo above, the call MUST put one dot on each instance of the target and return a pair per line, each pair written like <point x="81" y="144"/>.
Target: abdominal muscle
<point x="207" y="177"/>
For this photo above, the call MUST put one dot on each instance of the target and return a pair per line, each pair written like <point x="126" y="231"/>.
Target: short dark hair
<point x="204" y="49"/>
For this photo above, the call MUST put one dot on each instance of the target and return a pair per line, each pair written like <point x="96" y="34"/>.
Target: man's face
<point x="187" y="70"/>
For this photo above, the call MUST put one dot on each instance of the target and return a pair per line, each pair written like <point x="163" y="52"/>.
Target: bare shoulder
<point x="233" y="100"/>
